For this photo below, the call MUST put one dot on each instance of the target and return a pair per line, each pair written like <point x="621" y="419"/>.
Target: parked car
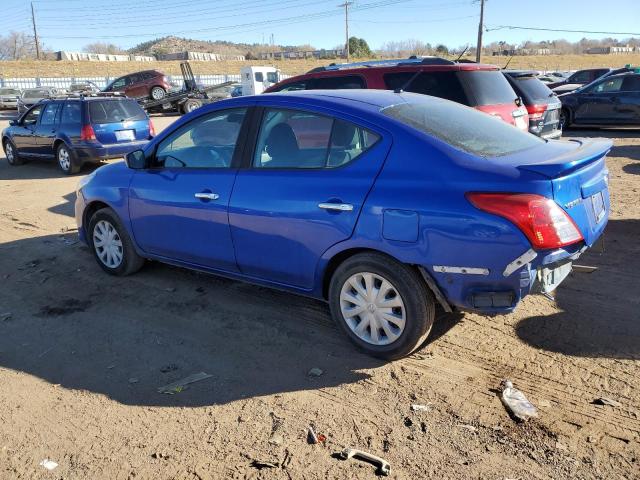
<point x="542" y="104"/>
<point x="31" y="96"/>
<point x="147" y="84"/>
<point x="83" y="88"/>
<point x="612" y="100"/>
<point x="476" y="85"/>
<point x="74" y="131"/>
<point x="577" y="79"/>
<point x="236" y="91"/>
<point x="9" y="97"/>
<point x="381" y="203"/>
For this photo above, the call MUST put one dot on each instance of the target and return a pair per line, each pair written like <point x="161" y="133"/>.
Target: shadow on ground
<point x="600" y="310"/>
<point x="38" y="169"/>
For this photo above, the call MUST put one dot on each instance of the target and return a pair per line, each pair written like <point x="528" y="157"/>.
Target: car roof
<point x="366" y="97"/>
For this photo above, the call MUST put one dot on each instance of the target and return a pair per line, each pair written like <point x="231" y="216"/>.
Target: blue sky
<point x="71" y="24"/>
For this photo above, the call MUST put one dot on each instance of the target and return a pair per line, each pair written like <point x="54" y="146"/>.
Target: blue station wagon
<point x="75" y="131"/>
<point x="384" y="204"/>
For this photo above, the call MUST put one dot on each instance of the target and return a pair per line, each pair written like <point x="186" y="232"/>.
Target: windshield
<point x="462" y="127"/>
<point x="35" y="93"/>
<point x="487" y="87"/>
<point x="115" y="111"/>
<point x="9" y="91"/>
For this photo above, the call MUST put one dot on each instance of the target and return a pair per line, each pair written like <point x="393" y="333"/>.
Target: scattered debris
<point x="606" y="401"/>
<point x="45" y="352"/>
<point x="516" y="402"/>
<point x="72" y="228"/>
<point x="407" y="422"/>
<point x="159" y="455"/>
<point x="383" y="466"/>
<point x="177" y="387"/>
<point x="420" y="408"/>
<point x="276" y="439"/>
<point x="423" y="427"/>
<point x="170" y="289"/>
<point x="260" y="464"/>
<point x="133" y="380"/>
<point x="471" y="428"/>
<point x="315" y="372"/>
<point x="48" y="464"/>
<point x="583" y="268"/>
<point x="313" y="437"/>
<point x="5" y="317"/>
<point x="172" y="367"/>
<point x="109" y="367"/>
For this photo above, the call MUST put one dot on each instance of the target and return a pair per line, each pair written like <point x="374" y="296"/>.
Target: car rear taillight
<point x="152" y="129"/>
<point x="544" y="223"/>
<point x="87" y="133"/>
<point x="536" y="112"/>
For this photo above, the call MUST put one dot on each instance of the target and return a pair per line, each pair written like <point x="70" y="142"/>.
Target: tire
<point x="11" y="152"/>
<point x="66" y="160"/>
<point x="565" y="118"/>
<point x="413" y="302"/>
<point x="157" y="93"/>
<point x="120" y="260"/>
<point x="190" y="105"/>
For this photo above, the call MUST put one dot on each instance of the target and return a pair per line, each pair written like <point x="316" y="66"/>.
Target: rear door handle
<point x="207" y="196"/>
<point x="341" y="207"/>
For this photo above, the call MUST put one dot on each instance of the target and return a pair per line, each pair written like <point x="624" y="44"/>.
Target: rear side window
<point x="461" y="127"/>
<point x="49" y="114"/>
<point x="71" y="113"/>
<point x="296" y="139"/>
<point x="531" y="88"/>
<point x="486" y="87"/>
<point x="583" y="76"/>
<point x="437" y="84"/>
<point x="115" y="111"/>
<point x="335" y="83"/>
<point x="631" y="83"/>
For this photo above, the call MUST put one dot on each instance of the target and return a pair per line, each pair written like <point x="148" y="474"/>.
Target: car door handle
<point x="342" y="207"/>
<point x="207" y="196"/>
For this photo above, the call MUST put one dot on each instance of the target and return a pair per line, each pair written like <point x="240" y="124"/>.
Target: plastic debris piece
<point x="516" y="402"/>
<point x="607" y="401"/>
<point x="383" y="466"/>
<point x="48" y="464"/>
<point x="420" y="408"/>
<point x="312" y="438"/>
<point x="6" y="316"/>
<point x="133" y="380"/>
<point x="177" y="387"/>
<point x="315" y="372"/>
<point x="260" y="464"/>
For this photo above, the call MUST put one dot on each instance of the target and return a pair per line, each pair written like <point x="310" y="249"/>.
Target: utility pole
<point x="346" y="5"/>
<point x="480" y="27"/>
<point x="35" y="31"/>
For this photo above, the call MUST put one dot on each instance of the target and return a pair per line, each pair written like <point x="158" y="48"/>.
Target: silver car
<point x="31" y="96"/>
<point x="9" y="97"/>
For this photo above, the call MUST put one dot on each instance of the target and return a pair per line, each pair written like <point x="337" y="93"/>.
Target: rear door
<point x="302" y="193"/>
<point x="117" y="121"/>
<point x="179" y="207"/>
<point x="627" y="104"/>
<point x="47" y="129"/>
<point x="599" y="102"/>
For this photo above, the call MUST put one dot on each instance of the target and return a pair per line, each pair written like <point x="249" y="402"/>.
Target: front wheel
<point x="10" y="151"/>
<point x="382" y="305"/>
<point x="111" y="245"/>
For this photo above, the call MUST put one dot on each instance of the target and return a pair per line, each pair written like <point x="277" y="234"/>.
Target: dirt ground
<point x="82" y="355"/>
<point x="45" y="68"/>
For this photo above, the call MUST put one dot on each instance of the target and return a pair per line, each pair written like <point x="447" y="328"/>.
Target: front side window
<point x="49" y="114"/>
<point x="297" y="139"/>
<point x="32" y="117"/>
<point x="208" y="141"/>
<point x="609" y="85"/>
<point x="272" y="77"/>
<point x="259" y="77"/>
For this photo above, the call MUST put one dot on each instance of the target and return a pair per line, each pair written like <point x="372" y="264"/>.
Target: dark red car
<point x="146" y="84"/>
<point x="476" y="85"/>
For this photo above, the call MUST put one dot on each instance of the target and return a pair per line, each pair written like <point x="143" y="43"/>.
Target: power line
<point x="514" y="27"/>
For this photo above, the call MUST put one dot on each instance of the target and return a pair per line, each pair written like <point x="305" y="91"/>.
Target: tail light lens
<point x="543" y="222"/>
<point x="536" y="112"/>
<point x="87" y="133"/>
<point x="152" y="129"/>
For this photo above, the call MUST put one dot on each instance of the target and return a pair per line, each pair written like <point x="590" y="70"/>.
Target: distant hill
<point x="173" y="44"/>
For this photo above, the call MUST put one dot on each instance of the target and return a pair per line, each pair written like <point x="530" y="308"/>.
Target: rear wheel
<point x="66" y="160"/>
<point x="565" y="118"/>
<point x="10" y="151"/>
<point x="157" y="93"/>
<point x="382" y="305"/>
<point x="190" y="105"/>
<point x="111" y="245"/>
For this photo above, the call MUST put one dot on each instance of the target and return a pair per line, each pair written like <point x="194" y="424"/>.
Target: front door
<point x="46" y="130"/>
<point x="179" y="206"/>
<point x="309" y="177"/>
<point x="24" y="136"/>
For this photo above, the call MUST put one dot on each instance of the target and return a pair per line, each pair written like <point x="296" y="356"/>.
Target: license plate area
<point x="125" y="135"/>
<point x="597" y="202"/>
<point x="549" y="277"/>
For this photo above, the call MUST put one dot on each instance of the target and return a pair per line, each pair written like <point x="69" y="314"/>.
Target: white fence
<point x="65" y="82"/>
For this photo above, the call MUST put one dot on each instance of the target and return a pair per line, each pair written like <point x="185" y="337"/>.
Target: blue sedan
<point x="384" y="204"/>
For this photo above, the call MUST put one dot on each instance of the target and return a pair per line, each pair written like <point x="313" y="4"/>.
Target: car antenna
<point x="508" y="62"/>
<point x="408" y="83"/>
<point x="462" y="53"/>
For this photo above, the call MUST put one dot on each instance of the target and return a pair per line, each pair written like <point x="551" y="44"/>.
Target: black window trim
<point x="238" y="153"/>
<point x="254" y="132"/>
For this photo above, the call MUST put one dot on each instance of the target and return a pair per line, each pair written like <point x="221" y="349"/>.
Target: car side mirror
<point x="13" y="123"/>
<point x="136" y="160"/>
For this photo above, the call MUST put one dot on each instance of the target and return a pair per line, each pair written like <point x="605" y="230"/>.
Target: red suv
<point x="147" y="84"/>
<point x="480" y="86"/>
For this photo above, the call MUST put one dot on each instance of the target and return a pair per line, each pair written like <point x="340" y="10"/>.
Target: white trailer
<point x="256" y="80"/>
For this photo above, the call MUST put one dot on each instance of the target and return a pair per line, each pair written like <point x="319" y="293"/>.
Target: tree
<point x="442" y="50"/>
<point x="17" y="46"/>
<point x="102" y="47"/>
<point x="359" y="48"/>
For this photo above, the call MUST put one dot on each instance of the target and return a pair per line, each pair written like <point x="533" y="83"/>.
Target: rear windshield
<point x="9" y="91"/>
<point x="532" y="88"/>
<point x="462" y="127"/>
<point x="115" y="111"/>
<point x="487" y="87"/>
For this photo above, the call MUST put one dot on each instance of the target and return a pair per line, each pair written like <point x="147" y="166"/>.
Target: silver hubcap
<point x="372" y="308"/>
<point x="63" y="159"/>
<point x="191" y="106"/>
<point x="157" y="93"/>
<point x="107" y="244"/>
<point x="9" y="153"/>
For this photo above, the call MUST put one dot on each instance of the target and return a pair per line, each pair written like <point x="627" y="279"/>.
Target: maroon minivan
<point x="146" y="84"/>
